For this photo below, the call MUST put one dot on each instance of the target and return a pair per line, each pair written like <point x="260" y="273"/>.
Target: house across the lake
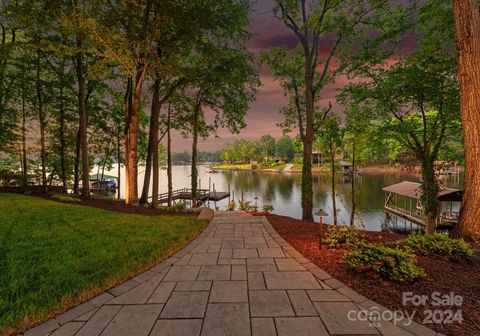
<point x="403" y="199"/>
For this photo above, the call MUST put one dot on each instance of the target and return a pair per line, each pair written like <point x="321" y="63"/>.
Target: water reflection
<point x="283" y="191"/>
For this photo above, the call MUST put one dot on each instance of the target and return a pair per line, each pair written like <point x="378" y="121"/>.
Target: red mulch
<point x="443" y="276"/>
<point x="120" y="206"/>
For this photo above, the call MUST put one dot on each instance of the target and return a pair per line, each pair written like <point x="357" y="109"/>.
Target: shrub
<point x="438" y="245"/>
<point x="245" y="205"/>
<point x="231" y="205"/>
<point x="298" y="161"/>
<point x="390" y="263"/>
<point x="267" y="208"/>
<point x="182" y="206"/>
<point x="65" y="198"/>
<point x="339" y="235"/>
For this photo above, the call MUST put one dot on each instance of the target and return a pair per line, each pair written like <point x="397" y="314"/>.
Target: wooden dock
<point x="203" y="195"/>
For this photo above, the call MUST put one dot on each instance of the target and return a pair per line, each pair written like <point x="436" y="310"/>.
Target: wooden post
<point x="215" y="196"/>
<point x="321" y="232"/>
<point x="209" y="188"/>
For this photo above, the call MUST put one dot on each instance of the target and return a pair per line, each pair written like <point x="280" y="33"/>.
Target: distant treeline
<point x="184" y="157"/>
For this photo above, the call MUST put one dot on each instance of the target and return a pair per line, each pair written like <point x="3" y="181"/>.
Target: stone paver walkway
<point x="239" y="277"/>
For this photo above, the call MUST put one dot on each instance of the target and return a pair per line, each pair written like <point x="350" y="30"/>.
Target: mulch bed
<point x="443" y="276"/>
<point x="119" y="206"/>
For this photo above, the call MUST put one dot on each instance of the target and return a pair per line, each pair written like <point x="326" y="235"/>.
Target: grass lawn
<point x="54" y="255"/>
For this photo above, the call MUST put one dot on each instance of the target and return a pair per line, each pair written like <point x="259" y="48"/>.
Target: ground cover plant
<point x="442" y="274"/>
<point x="390" y="263"/>
<point x="438" y="245"/>
<point x="54" y="255"/>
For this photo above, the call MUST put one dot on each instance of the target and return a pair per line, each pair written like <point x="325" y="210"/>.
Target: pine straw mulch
<point x="443" y="275"/>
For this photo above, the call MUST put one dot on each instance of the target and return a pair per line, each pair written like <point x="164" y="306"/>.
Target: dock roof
<point x="413" y="190"/>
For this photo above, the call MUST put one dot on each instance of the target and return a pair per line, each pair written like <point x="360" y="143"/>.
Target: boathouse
<point x="403" y="199"/>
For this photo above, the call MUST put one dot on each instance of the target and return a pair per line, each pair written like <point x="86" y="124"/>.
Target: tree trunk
<point x="63" y="170"/>
<point x="107" y="154"/>
<point x="307" y="188"/>
<point x="169" y="158"/>
<point x="429" y="196"/>
<point x="354" y="206"/>
<point x="82" y="111"/>
<point x="41" y="118"/>
<point x="24" y="145"/>
<point x="152" y="142"/>
<point x="119" y="164"/>
<point x="134" y="100"/>
<point x="467" y="25"/>
<point x="156" y="124"/>
<point x="76" y="168"/>
<point x="334" y="194"/>
<point x="196" y="113"/>
<point x="128" y="111"/>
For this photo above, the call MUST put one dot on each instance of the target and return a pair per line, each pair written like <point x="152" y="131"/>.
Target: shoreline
<point x="323" y="169"/>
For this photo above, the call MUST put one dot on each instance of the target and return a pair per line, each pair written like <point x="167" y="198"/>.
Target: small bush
<point x="65" y="198"/>
<point x="175" y="207"/>
<point x="392" y="264"/>
<point x="268" y="208"/>
<point x="438" y="245"/>
<point x="231" y="205"/>
<point x="339" y="235"/>
<point x="245" y="205"/>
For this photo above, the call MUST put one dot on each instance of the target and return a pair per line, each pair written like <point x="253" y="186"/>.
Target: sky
<point x="263" y="114"/>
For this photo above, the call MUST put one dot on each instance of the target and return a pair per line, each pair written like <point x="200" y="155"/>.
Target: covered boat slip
<point x="403" y="199"/>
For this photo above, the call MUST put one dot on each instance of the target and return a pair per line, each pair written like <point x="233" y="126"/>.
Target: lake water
<point x="282" y="190"/>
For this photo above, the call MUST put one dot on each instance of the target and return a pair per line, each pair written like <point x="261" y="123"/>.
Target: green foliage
<point x="285" y="148"/>
<point x="177" y="207"/>
<point x="339" y="235"/>
<point x="65" y="198"/>
<point x="240" y="151"/>
<point x="416" y="98"/>
<point x="437" y="245"/>
<point x="266" y="145"/>
<point x="245" y="205"/>
<point x="267" y="208"/>
<point x="329" y="138"/>
<point x="392" y="264"/>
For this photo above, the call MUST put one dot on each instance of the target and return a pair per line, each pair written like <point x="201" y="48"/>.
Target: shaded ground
<point x="112" y="204"/>
<point x="54" y="255"/>
<point x="443" y="276"/>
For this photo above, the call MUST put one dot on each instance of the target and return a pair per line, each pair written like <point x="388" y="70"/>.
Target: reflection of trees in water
<point x="321" y="188"/>
<point x="247" y="182"/>
<point x="285" y="184"/>
<point x="265" y="186"/>
<point x="284" y="189"/>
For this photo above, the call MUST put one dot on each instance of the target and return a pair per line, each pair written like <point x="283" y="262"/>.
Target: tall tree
<point x="467" y="32"/>
<point x="266" y="144"/>
<point x="417" y="99"/>
<point x="127" y="32"/>
<point x="330" y="140"/>
<point x="340" y="22"/>
<point x="285" y="148"/>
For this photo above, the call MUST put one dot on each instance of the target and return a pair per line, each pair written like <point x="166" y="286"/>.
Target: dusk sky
<point x="263" y="115"/>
